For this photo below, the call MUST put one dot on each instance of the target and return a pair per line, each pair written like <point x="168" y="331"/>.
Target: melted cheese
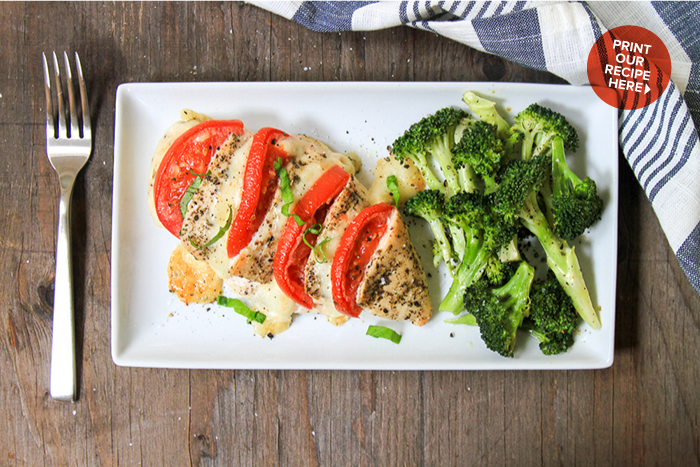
<point x="190" y="280"/>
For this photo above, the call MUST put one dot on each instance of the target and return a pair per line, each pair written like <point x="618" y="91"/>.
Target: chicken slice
<point x="308" y="160"/>
<point x="215" y="202"/>
<point x="394" y="285"/>
<point x="344" y="209"/>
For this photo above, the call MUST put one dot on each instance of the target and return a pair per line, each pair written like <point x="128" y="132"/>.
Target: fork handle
<point x="63" y="365"/>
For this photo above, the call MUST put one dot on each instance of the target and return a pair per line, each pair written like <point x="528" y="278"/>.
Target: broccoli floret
<point x="517" y="196"/>
<point x="553" y="319"/>
<point x="429" y="205"/>
<point x="575" y="203"/>
<point x="520" y="181"/>
<point x="499" y="312"/>
<point x="497" y="271"/>
<point x="481" y="149"/>
<point x="468" y="178"/>
<point x="485" y="231"/>
<point x="433" y="136"/>
<point x="539" y="125"/>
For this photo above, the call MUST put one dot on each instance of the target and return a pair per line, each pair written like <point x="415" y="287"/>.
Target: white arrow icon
<point x="647" y="89"/>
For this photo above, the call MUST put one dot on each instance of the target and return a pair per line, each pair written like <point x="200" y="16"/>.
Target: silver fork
<point x="68" y="145"/>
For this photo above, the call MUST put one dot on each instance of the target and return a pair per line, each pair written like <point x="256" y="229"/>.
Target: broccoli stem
<point x="561" y="259"/>
<point x="459" y="241"/>
<point x="430" y="178"/>
<point x="442" y="240"/>
<point x="472" y="267"/>
<point x="517" y="291"/>
<point x="486" y="111"/>
<point x="510" y="252"/>
<point x="467" y="178"/>
<point x="468" y="319"/>
<point x="563" y="178"/>
<point x="443" y="155"/>
<point x="528" y="142"/>
<point x="546" y="198"/>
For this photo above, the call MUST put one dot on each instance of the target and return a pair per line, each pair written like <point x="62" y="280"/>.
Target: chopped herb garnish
<point x="191" y="190"/>
<point x="384" y="333"/>
<point x="468" y="319"/>
<point x="220" y="234"/>
<point x="287" y="196"/>
<point x="319" y="254"/>
<point x="241" y="308"/>
<point x="392" y="183"/>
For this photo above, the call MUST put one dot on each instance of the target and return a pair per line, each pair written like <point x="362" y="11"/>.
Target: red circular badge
<point x="633" y="62"/>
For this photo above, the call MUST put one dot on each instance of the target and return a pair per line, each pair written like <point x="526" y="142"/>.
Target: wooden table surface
<point x="644" y="410"/>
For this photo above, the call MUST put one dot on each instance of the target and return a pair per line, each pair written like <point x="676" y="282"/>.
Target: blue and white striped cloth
<point x="660" y="142"/>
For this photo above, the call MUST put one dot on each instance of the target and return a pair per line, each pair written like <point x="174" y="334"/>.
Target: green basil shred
<point x="287" y="196"/>
<point x="384" y="333"/>
<point x="191" y="190"/>
<point x="219" y="234"/>
<point x="288" y="199"/>
<point x="319" y="254"/>
<point x="241" y="308"/>
<point x="392" y="183"/>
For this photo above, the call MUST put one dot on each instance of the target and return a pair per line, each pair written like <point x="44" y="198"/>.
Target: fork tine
<point x="87" y="130"/>
<point x="74" y="128"/>
<point x="62" y="130"/>
<point x="50" y="127"/>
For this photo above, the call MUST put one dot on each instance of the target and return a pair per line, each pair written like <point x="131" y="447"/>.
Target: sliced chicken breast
<point x="308" y="160"/>
<point x="344" y="209"/>
<point x="394" y="285"/>
<point x="215" y="203"/>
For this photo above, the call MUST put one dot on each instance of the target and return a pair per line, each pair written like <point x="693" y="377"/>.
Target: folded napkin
<point x="660" y="141"/>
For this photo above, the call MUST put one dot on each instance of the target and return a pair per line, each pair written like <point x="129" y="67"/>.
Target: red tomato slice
<point x="259" y="186"/>
<point x="292" y="253"/>
<point x="356" y="247"/>
<point x="190" y="154"/>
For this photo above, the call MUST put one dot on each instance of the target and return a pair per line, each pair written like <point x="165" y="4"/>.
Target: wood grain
<point x="645" y="410"/>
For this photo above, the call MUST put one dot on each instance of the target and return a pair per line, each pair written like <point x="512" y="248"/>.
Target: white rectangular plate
<point x="151" y="328"/>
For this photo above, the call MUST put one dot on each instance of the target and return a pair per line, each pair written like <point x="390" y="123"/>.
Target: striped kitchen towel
<point x="660" y="141"/>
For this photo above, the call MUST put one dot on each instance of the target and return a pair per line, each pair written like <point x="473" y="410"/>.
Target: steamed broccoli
<point x="539" y="125"/>
<point x="502" y="180"/>
<point x="433" y="136"/>
<point x="487" y="112"/>
<point x="553" y="319"/>
<point x="429" y="205"/>
<point x="481" y="149"/>
<point x="575" y="203"/>
<point x="499" y="311"/>
<point x="498" y="271"/>
<point x="486" y="232"/>
<point x="517" y="196"/>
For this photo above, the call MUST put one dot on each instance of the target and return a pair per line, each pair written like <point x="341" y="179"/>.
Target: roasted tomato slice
<point x="355" y="249"/>
<point x="188" y="156"/>
<point x="259" y="186"/>
<point x="292" y="253"/>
